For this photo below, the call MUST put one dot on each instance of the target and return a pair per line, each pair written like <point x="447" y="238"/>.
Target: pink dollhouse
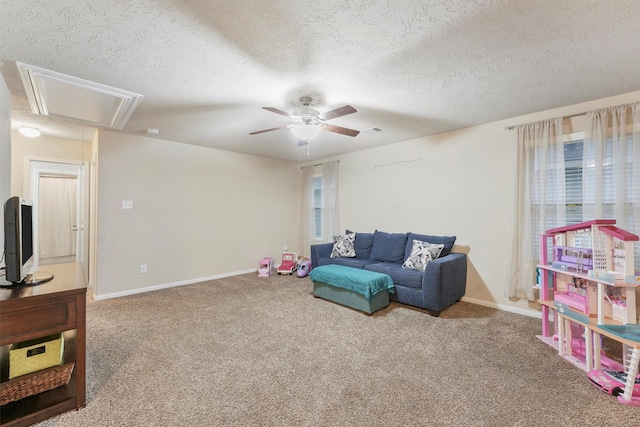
<point x="604" y="254"/>
<point x="588" y="290"/>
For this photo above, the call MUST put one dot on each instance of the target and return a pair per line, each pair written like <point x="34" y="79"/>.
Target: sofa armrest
<point x="445" y="281"/>
<point x="322" y="250"/>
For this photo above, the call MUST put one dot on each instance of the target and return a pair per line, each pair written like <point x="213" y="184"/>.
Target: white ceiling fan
<point x="308" y="122"/>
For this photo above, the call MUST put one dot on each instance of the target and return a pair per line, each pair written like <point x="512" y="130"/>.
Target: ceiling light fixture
<point x="307" y="131"/>
<point x="29" y="131"/>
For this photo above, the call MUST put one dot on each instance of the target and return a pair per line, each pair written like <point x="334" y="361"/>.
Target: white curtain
<point x="319" y="210"/>
<point x="57" y="216"/>
<point x="611" y="167"/>
<point x="540" y="200"/>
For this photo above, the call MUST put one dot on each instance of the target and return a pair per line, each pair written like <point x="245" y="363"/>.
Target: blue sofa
<point x="442" y="283"/>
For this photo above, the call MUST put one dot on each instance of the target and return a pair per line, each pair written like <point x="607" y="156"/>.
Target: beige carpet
<point x="246" y="351"/>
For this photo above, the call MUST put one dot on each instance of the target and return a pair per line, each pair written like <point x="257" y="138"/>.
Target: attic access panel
<point x="52" y="93"/>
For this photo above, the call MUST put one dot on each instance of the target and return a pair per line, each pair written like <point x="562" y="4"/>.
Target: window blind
<point x="581" y="174"/>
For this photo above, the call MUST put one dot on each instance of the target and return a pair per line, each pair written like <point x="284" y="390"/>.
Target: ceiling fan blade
<point x="342" y="111"/>
<point x="341" y="130"/>
<point x="266" y="130"/>
<point x="275" y="110"/>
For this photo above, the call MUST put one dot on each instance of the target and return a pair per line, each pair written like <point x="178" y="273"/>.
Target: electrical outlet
<point x="127" y="204"/>
<point x="143" y="268"/>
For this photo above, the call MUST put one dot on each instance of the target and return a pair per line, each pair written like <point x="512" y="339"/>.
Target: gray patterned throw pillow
<point x="343" y="246"/>
<point x="422" y="253"/>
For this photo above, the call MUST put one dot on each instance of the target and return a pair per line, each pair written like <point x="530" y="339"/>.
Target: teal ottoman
<point x="359" y="289"/>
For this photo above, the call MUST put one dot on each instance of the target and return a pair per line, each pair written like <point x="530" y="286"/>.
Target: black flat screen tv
<point x="18" y="239"/>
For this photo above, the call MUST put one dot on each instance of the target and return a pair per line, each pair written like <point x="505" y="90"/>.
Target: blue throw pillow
<point x="388" y="247"/>
<point x="447" y="241"/>
<point x="363" y="244"/>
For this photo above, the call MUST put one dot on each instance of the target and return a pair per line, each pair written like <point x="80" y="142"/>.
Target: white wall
<point x="457" y="183"/>
<point x="5" y="153"/>
<point x="197" y="212"/>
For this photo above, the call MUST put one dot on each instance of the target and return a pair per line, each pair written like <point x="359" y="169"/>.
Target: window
<point x="560" y="182"/>
<point x="318" y="206"/>
<point x="580" y="193"/>
<point x="573" y="180"/>
<point x="319" y="222"/>
<point x="323" y="207"/>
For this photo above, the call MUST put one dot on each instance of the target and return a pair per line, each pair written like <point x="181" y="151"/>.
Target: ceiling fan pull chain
<point x="308" y="145"/>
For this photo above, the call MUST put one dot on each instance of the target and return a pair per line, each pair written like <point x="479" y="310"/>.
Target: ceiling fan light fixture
<point x="29" y="132"/>
<point x="307" y="131"/>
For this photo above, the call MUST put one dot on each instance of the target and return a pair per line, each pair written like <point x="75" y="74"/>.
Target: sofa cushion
<point x="447" y="241"/>
<point x="347" y="262"/>
<point x="422" y="254"/>
<point x="400" y="276"/>
<point x="343" y="246"/>
<point x="363" y="244"/>
<point x="388" y="247"/>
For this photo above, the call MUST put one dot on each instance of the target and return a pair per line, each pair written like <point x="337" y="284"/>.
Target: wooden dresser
<point x="57" y="306"/>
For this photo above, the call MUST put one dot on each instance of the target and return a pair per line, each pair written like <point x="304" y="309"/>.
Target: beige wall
<point x="41" y="148"/>
<point x="197" y="212"/>
<point x="203" y="213"/>
<point x="457" y="183"/>
<point x="5" y="150"/>
<point x="55" y="150"/>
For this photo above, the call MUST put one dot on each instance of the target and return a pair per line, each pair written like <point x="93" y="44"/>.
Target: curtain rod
<point x="49" y="175"/>
<point x="575" y="115"/>
<point x="564" y="117"/>
<point x="320" y="164"/>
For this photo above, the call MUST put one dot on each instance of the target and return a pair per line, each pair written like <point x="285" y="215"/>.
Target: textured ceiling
<point x="410" y="68"/>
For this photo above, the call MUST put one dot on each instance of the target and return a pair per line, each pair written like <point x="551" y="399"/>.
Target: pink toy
<point x="612" y="382"/>
<point x="304" y="268"/>
<point x="288" y="264"/>
<point x="265" y="267"/>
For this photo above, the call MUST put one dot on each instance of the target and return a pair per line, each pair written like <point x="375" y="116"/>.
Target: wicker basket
<point x="37" y="382"/>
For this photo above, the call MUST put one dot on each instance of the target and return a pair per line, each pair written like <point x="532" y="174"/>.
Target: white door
<point x="57" y="218"/>
<point x="57" y="192"/>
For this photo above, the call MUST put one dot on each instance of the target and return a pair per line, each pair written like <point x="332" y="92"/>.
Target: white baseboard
<point x="522" y="311"/>
<point x="170" y="285"/>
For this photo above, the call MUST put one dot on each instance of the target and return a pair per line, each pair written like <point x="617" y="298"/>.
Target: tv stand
<point x="36" y="278"/>
<point x="28" y="312"/>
